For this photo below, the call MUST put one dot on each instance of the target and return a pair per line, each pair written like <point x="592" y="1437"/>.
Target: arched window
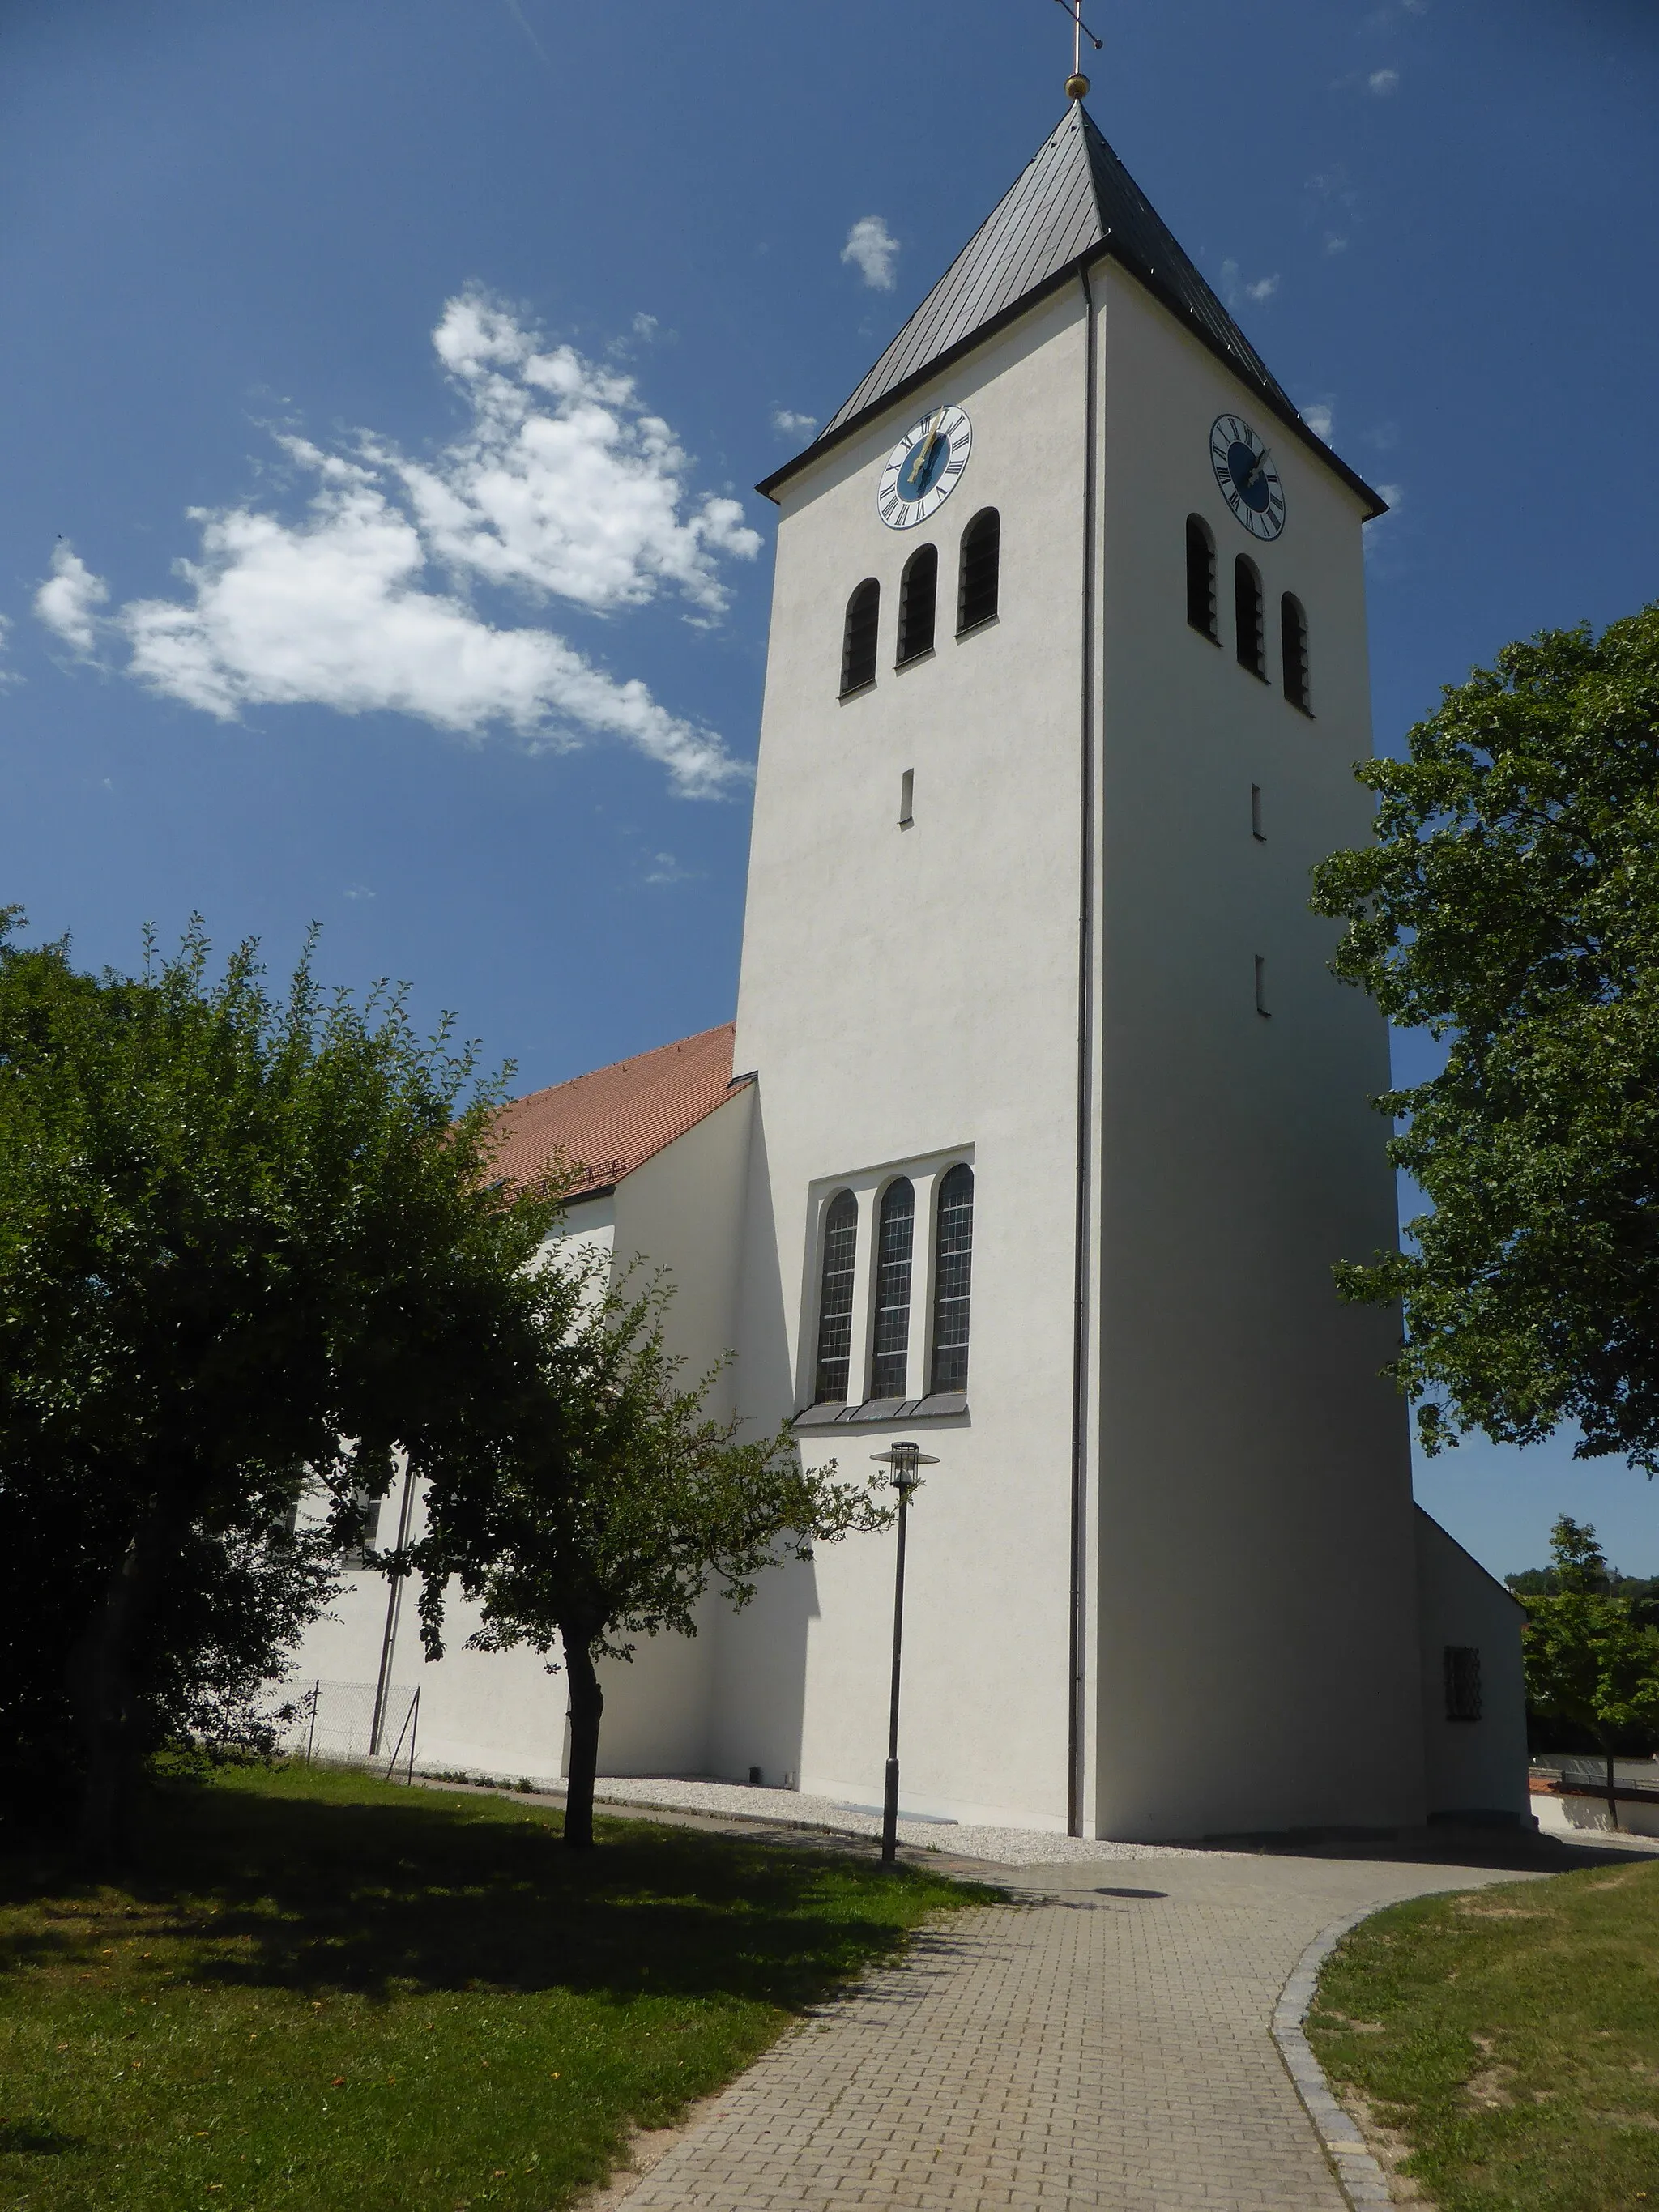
<point x="953" y="1270"/>
<point x="976" y="591"/>
<point x="1293" y="640"/>
<point x="858" y="644"/>
<point x="918" y="596"/>
<point x="841" y="1238"/>
<point x="1200" y="577"/>
<point x="894" y="1243"/>
<point x="1247" y="614"/>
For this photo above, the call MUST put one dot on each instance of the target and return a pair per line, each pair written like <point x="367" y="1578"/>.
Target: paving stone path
<point x="1102" y="2046"/>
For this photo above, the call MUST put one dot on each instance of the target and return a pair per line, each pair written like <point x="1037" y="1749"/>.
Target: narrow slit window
<point x="906" y="796"/>
<point x="1261" y="1006"/>
<point x="918" y="599"/>
<point x="895" y="1244"/>
<point x="858" y="644"/>
<point x="953" y="1277"/>
<point x="1247" y="611"/>
<point x="1293" y="638"/>
<point x="982" y="557"/>
<point x="1200" y="579"/>
<point x="1461" y="1666"/>
<point x="841" y="1238"/>
<point x="1256" y="829"/>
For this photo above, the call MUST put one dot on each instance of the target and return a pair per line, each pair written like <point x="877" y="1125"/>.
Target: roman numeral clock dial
<point x="924" y="468"/>
<point x="1249" y="482"/>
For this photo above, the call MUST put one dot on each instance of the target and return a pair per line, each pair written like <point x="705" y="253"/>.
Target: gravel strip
<point x="1019" y="1847"/>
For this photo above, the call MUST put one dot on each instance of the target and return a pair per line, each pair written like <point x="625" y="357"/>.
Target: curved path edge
<point x="1362" y="2180"/>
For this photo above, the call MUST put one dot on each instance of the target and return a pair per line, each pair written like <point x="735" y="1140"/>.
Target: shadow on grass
<point x="428" y="1893"/>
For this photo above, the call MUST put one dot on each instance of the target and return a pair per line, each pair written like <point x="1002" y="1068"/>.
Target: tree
<point x="611" y="1503"/>
<point x="1510" y="904"/>
<point x="241" y="1240"/>
<point x="1588" y="1661"/>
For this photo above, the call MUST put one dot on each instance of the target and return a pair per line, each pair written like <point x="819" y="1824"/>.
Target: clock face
<point x="924" y="468"/>
<point x="1249" y="482"/>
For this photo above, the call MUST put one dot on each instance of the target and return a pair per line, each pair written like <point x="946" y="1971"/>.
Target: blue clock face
<point x="924" y="468"/>
<point x="1245" y="472"/>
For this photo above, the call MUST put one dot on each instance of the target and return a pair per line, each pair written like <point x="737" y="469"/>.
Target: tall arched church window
<point x="918" y="599"/>
<point x="1200" y="577"/>
<point x="1247" y="614"/>
<point x="841" y="1238"/>
<point x="858" y="643"/>
<point x="896" y="1240"/>
<point x="982" y="554"/>
<point x="953" y="1271"/>
<point x="1293" y="638"/>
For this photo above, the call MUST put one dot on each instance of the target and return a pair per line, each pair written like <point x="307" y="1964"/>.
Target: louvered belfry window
<point x="953" y="1272"/>
<point x="1293" y="636"/>
<point x="858" y="645"/>
<point x="841" y="1238"/>
<point x="918" y="599"/>
<point x="1247" y="610"/>
<point x="1200" y="577"/>
<point x="982" y="552"/>
<point x="896" y="1242"/>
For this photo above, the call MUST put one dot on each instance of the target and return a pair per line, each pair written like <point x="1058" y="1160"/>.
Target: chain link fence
<point x="337" y="1723"/>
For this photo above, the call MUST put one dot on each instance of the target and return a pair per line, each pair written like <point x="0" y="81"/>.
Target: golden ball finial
<point x="1076" y="87"/>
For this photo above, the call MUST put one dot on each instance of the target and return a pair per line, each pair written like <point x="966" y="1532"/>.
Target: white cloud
<point x="1233" y="288"/>
<point x="1383" y="81"/>
<point x="871" y="249"/>
<point x="1334" y="244"/>
<point x="357" y="891"/>
<point x="1379" y="532"/>
<point x="68" y="602"/>
<point x="8" y="676"/>
<point x="645" y="327"/>
<point x="793" y="425"/>
<point x="562" y="486"/>
<point x="666" y="869"/>
<point x="1320" y="419"/>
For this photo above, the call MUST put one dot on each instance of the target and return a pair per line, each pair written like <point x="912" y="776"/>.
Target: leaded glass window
<point x="1293" y="637"/>
<point x="977" y="586"/>
<point x="858" y="640"/>
<point x="1200" y="577"/>
<point x="953" y="1273"/>
<point x="918" y="596"/>
<point x="840" y="1238"/>
<point x="1247" y="615"/>
<point x="894" y="1243"/>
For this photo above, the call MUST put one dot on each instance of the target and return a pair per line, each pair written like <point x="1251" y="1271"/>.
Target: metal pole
<point x="393" y="1598"/>
<point x="311" y="1727"/>
<point x="889" y="1802"/>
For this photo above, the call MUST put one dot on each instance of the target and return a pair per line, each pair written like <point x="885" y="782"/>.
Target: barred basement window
<point x="982" y="554"/>
<point x="841" y="1238"/>
<point x="1247" y="614"/>
<point x="858" y="644"/>
<point x="1293" y="640"/>
<point x="1200" y="577"/>
<point x="953" y="1267"/>
<point x="918" y="597"/>
<point x="894" y="1243"/>
<point x="1461" y="1663"/>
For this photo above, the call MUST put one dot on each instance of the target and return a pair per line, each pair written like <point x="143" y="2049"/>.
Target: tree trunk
<point x="587" y="1710"/>
<point x="102" y="1692"/>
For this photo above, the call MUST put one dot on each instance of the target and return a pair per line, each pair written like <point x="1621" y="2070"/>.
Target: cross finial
<point x="1077" y="84"/>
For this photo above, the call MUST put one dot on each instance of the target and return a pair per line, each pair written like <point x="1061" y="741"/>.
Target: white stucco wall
<point x="501" y="1712"/>
<point x="1256" y="1648"/>
<point x="910" y="997"/>
<point x="1473" y="1766"/>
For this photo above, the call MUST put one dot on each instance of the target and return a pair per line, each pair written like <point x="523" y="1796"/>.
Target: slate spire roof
<point x="1075" y="204"/>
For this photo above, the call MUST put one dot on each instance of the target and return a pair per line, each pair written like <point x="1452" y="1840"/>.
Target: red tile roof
<point x="615" y="1119"/>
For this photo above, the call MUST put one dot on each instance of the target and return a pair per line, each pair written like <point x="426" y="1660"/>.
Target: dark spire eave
<point x="1072" y="206"/>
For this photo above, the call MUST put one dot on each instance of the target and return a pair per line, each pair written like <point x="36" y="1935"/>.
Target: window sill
<point x="937" y="1406"/>
<point x="913" y="660"/>
<point x="1208" y="636"/>
<point x="973" y="629"/>
<point x="857" y="691"/>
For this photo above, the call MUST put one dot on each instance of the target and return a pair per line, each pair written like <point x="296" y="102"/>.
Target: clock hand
<point x="1260" y="463"/>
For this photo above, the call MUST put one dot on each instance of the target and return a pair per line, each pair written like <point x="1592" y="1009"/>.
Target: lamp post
<point x="902" y="1462"/>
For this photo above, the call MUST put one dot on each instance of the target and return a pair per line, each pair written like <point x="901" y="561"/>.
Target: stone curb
<point x="1359" y="2177"/>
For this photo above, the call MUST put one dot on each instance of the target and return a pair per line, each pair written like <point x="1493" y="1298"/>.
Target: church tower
<point x="1061" y="1120"/>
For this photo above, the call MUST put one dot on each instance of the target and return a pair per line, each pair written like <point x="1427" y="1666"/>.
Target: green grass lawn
<point x="328" y="1993"/>
<point x="1512" y="2037"/>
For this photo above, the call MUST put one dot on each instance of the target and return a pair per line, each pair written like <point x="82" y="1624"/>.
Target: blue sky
<point x="285" y="286"/>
